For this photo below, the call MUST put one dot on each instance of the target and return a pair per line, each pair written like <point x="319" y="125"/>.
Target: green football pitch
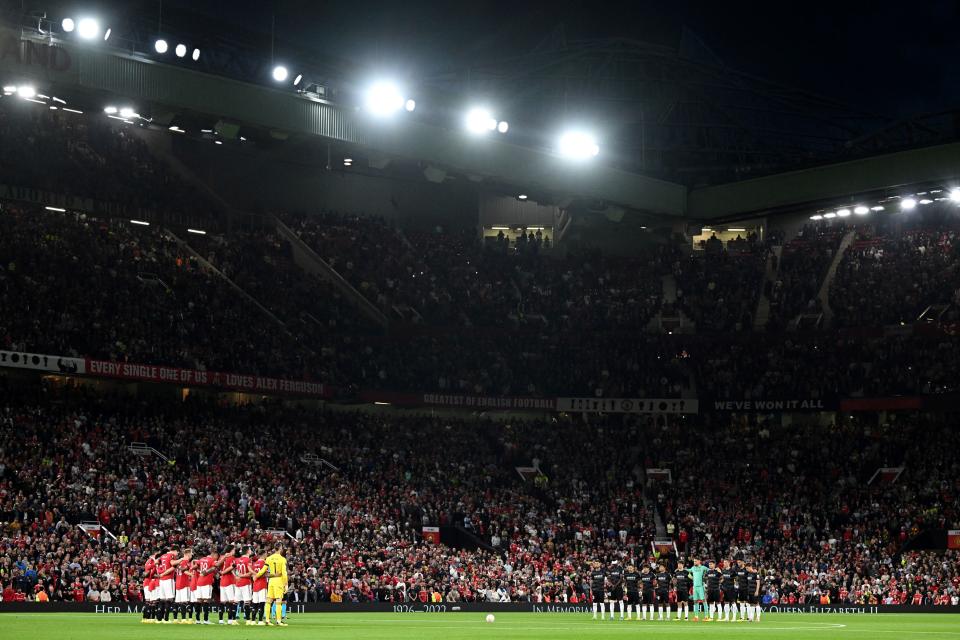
<point x="450" y="626"/>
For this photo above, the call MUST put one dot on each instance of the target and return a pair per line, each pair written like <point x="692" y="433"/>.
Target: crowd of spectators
<point x="809" y="516"/>
<point x="892" y="273"/>
<point x="803" y="265"/>
<point x="99" y="158"/>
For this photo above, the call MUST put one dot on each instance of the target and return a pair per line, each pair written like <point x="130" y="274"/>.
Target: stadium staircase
<point x="824" y="294"/>
<point x="307" y="259"/>
<point x="670" y="317"/>
<point x="762" y="316"/>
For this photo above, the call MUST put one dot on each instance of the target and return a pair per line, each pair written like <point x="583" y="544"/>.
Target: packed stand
<point x="810" y="519"/>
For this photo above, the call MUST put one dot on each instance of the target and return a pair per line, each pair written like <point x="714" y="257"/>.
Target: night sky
<point x="892" y="58"/>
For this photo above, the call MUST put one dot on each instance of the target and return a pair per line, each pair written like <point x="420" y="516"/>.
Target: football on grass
<point x="490" y="617"/>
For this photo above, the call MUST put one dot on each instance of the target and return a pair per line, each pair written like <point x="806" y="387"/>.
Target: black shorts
<point x="633" y="597"/>
<point x="616" y="594"/>
<point x="729" y="596"/>
<point x="663" y="597"/>
<point x="713" y="595"/>
<point x="649" y="598"/>
<point x="597" y="595"/>
<point x="753" y="599"/>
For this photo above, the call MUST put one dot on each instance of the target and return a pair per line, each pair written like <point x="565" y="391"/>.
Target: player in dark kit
<point x="631" y="580"/>
<point x="753" y="594"/>
<point x="729" y="590"/>
<point x="646" y="591"/>
<point x="663" y="591"/>
<point x="682" y="582"/>
<point x="598" y="581"/>
<point x="740" y="575"/>
<point x="615" y="577"/>
<point x="714" y="607"/>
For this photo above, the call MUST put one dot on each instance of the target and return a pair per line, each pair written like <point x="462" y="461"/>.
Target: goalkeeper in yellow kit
<point x="275" y="566"/>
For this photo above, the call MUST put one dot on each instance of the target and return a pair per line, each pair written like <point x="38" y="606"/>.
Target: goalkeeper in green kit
<point x="699" y="596"/>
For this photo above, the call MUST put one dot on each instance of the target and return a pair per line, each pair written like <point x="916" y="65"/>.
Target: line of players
<point x="730" y="593"/>
<point x="178" y="589"/>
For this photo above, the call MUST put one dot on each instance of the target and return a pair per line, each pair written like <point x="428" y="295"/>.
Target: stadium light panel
<point x="68" y="25"/>
<point x="907" y="204"/>
<point x="143" y="223"/>
<point x="107" y="34"/>
<point x="160" y="46"/>
<point x="88" y="28"/>
<point x="181" y="50"/>
<point x="280" y="73"/>
<point x="577" y="145"/>
<point x="410" y="105"/>
<point x="196" y="55"/>
<point x="128" y="113"/>
<point x="877" y="208"/>
<point x="954" y="193"/>
<point x="522" y="196"/>
<point x="57" y="209"/>
<point x="72" y="110"/>
<point x="843" y="213"/>
<point x="384" y="99"/>
<point x="861" y="210"/>
<point x="26" y="91"/>
<point x="503" y="126"/>
<point x="830" y="215"/>
<point x="199" y="232"/>
<point x="478" y="120"/>
<point x="111" y="110"/>
<point x="298" y="79"/>
<point x="816" y="217"/>
<point x="9" y="89"/>
<point x="926" y="201"/>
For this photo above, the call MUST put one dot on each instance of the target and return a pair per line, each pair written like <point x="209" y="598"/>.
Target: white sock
<point x="726" y="611"/>
<point x="644" y="612"/>
<point x="594" y="609"/>
<point x="686" y="611"/>
<point x="756" y="613"/>
<point x="621" y="609"/>
<point x="668" y="612"/>
<point x="743" y="611"/>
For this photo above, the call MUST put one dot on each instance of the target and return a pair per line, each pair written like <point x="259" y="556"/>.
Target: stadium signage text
<point x="195" y="377"/>
<point x="817" y="404"/>
<point x="628" y="405"/>
<point x="42" y="362"/>
<point x="488" y="402"/>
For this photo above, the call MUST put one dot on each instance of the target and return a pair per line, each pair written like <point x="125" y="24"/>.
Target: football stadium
<point x="448" y="320"/>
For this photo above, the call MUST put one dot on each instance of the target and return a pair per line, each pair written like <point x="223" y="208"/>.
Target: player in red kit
<point x="259" y="588"/>
<point x="149" y="589"/>
<point x="205" y="575"/>
<point x="228" y="600"/>
<point x="165" y="572"/>
<point x="243" y="583"/>
<point x="182" y="590"/>
<point x="194" y="577"/>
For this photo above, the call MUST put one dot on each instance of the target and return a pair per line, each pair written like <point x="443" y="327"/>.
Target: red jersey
<point x="226" y="573"/>
<point x="194" y="574"/>
<point x="241" y="566"/>
<point x="78" y="593"/>
<point x="149" y="574"/>
<point x="166" y="562"/>
<point x="183" y="580"/>
<point x="259" y="584"/>
<point x="206" y="564"/>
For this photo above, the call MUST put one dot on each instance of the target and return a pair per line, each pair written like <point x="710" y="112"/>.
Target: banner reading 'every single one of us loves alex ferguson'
<point x="198" y="378"/>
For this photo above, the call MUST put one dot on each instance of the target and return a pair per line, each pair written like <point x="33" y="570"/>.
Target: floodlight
<point x="503" y="126"/>
<point x="877" y="208"/>
<point x="68" y="25"/>
<point x="181" y="50"/>
<point x="410" y="104"/>
<point x="861" y="210"/>
<point x="298" y="79"/>
<point x="829" y="215"/>
<point x="128" y="113"/>
<point x="280" y="73"/>
<point x="110" y="110"/>
<point x="106" y="35"/>
<point x="384" y="98"/>
<point x="577" y="145"/>
<point x="955" y="195"/>
<point x="522" y="196"/>
<point x="196" y="55"/>
<point x="479" y="121"/>
<point x="843" y="213"/>
<point x="160" y="46"/>
<point x="26" y="91"/>
<point x="816" y="217"/>
<point x="908" y="203"/>
<point x="88" y="28"/>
